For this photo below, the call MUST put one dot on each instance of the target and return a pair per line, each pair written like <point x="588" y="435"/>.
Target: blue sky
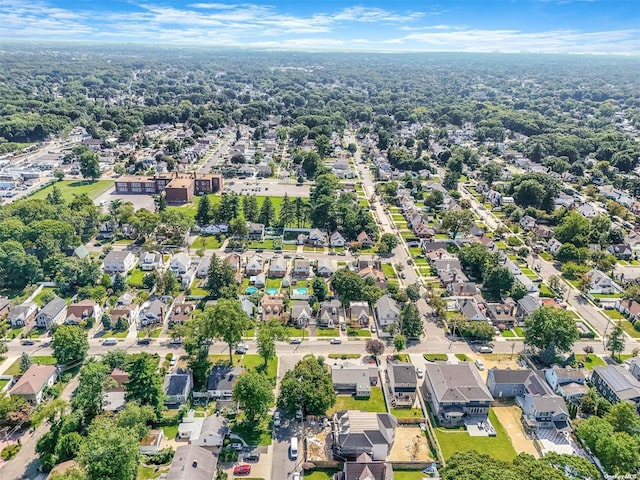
<point x="551" y="26"/>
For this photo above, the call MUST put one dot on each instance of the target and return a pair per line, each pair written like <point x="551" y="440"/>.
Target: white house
<point x="53" y="313"/>
<point x="387" y="311"/>
<point x="150" y="261"/>
<point x="180" y="263"/>
<point x="336" y="239"/>
<point x="33" y="382"/>
<point x="119" y="261"/>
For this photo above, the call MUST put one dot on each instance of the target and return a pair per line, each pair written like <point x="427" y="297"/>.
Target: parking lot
<point x="266" y="186"/>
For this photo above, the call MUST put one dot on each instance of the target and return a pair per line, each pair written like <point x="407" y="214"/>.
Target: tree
<point x="106" y="321"/>
<point x="118" y="285"/>
<point x="110" y="452"/>
<point x="491" y="172"/>
<point x="70" y="474"/>
<point x="411" y="321"/>
<point x="90" y="392"/>
<point x="267" y="212"/>
<point x="145" y="382"/>
<point x="413" y="292"/>
<point x="203" y="215"/>
<point x="227" y="321"/>
<point x="319" y="288"/>
<point x="307" y="387"/>
<point x="136" y="418"/>
<point x="348" y="285"/>
<point x="323" y="145"/>
<point x="477" y="258"/>
<point x="250" y="208"/>
<point x="287" y="212"/>
<point x="374" y="347"/>
<point x="267" y="336"/>
<point x="497" y="280"/>
<point x="254" y="392"/>
<point x="221" y="281"/>
<point x="399" y="342"/>
<point x="615" y="343"/>
<point x="25" y="362"/>
<point x="90" y="165"/>
<point x="623" y="417"/>
<point x="388" y="242"/>
<point x="70" y="344"/>
<point x="574" y="229"/>
<point x="457" y="221"/>
<point x="551" y="326"/>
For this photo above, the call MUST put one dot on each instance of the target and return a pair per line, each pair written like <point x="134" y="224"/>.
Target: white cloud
<point x="213" y="6"/>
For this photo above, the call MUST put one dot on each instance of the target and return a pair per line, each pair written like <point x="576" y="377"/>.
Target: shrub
<point x="10" y="451"/>
<point x="163" y="457"/>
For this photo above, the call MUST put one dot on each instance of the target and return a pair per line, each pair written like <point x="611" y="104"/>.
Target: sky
<point x="547" y="26"/>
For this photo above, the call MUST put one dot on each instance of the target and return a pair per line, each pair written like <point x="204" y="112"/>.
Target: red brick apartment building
<point x="178" y="187"/>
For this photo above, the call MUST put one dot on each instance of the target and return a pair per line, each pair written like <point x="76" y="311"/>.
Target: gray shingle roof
<point x="191" y="462"/>
<point x="456" y="383"/>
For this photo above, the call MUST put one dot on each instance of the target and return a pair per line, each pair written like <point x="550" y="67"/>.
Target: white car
<point x="276" y="419"/>
<point x="374" y="329"/>
<point x="296" y="476"/>
<point x="419" y="373"/>
<point x="336" y="341"/>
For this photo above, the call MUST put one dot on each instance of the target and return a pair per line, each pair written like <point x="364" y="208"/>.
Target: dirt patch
<point x="316" y="450"/>
<point x="410" y="445"/>
<point x="495" y="361"/>
<point x="509" y="417"/>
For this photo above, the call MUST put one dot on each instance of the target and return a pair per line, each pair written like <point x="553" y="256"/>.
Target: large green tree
<point x="250" y="208"/>
<point x="89" y="395"/>
<point x="267" y="335"/>
<point x="616" y="340"/>
<point x="90" y="165"/>
<point x="254" y="392"/>
<point x="550" y="326"/>
<point x="348" y="285"/>
<point x="457" y="221"/>
<point x="411" y="321"/>
<point x="267" y="213"/>
<point x="307" y="387"/>
<point x="145" y="382"/>
<point x="227" y="321"/>
<point x="70" y="344"/>
<point x="221" y="281"/>
<point x="203" y="215"/>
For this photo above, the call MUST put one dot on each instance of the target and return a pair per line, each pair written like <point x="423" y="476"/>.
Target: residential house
<point x="80" y="311"/>
<point x="542" y="231"/>
<point x="600" y="283"/>
<point x="567" y="382"/>
<point x="462" y="289"/>
<point x="553" y="246"/>
<point x="387" y="311"/>
<point x="187" y="279"/>
<point x="113" y="396"/>
<point x="5" y="303"/>
<point x="53" y="313"/>
<point x="329" y="315"/>
<point x="272" y="306"/>
<point x="470" y="309"/>
<point x="153" y="313"/>
<point x="526" y="306"/>
<point x="336" y="240"/>
<point x="150" y="261"/>
<point x="278" y="267"/>
<point x="180" y="263"/>
<point x="202" y="270"/>
<point x="364" y="468"/>
<point x="221" y="380"/>
<point x="150" y="444"/>
<point x="118" y="261"/>
<point x="316" y="238"/>
<point x="254" y="265"/>
<point x="127" y="314"/>
<point x="527" y="222"/>
<point x="355" y="433"/>
<point x="587" y="210"/>
<point x="177" y="386"/>
<point x="455" y="391"/>
<point x="32" y="384"/>
<point x="301" y="268"/>
<point x="255" y="231"/>
<point x="502" y="315"/>
<point x="324" y="268"/>
<point x="487" y="242"/>
<point x="634" y="366"/>
<point x="401" y="384"/>
<point x="23" y="314"/>
<point x="182" y="310"/>
<point x="616" y="384"/>
<point x="352" y="379"/>
<point x="622" y="251"/>
<point x="359" y="313"/>
<point x="364" y="240"/>
<point x="191" y="462"/>
<point x="630" y="308"/>
<point x="234" y="261"/>
<point x="301" y="313"/>
<point x="208" y="433"/>
<point x="507" y="383"/>
<point x="81" y="252"/>
<point x="375" y="274"/>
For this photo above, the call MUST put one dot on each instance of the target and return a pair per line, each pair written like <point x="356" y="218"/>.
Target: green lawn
<point x="591" y="361"/>
<point x="375" y="403"/>
<point x="135" y="279"/>
<point x="327" y="332"/>
<point x="206" y="242"/>
<point x="170" y="431"/>
<point x="627" y="326"/>
<point x="358" y="332"/>
<point x="462" y="357"/>
<point x="344" y="356"/>
<point x="323" y="474"/>
<point x="273" y="282"/>
<point x="3" y="383"/>
<point x="296" y="332"/>
<point x="433" y="357"/>
<point x="457" y="440"/>
<point x="253" y="434"/>
<point x="255" y="362"/>
<point x="149" y="473"/>
<point x="508" y="334"/>
<point x="45" y="291"/>
<point x="215" y="199"/>
<point x="545" y="291"/>
<point x="606" y="295"/>
<point x="407" y="412"/>
<point x="14" y="369"/>
<point x="614" y="314"/>
<point x="414" y="251"/>
<point x="519" y="331"/>
<point x="114" y="334"/>
<point x="69" y="188"/>
<point x="155" y="333"/>
<point x="388" y="270"/>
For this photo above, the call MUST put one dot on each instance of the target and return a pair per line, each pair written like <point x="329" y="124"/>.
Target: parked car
<point x="373" y="329"/>
<point x="295" y="341"/>
<point x="276" y="419"/>
<point x="485" y="349"/>
<point x="295" y="476"/>
<point x="243" y="469"/>
<point x="144" y="341"/>
<point x="109" y="342"/>
<point x="336" y="341"/>
<point x="28" y="342"/>
<point x="252" y="457"/>
<point x="172" y="362"/>
<point x="419" y="373"/>
<point x="237" y="446"/>
<point x="242" y="349"/>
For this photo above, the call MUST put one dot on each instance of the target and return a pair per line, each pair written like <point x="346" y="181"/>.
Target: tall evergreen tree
<point x="250" y="208"/>
<point x="287" y="212"/>
<point x="267" y="213"/>
<point x="203" y="216"/>
<point x="221" y="282"/>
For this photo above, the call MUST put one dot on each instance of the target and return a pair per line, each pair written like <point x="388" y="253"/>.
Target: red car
<point x="243" y="469"/>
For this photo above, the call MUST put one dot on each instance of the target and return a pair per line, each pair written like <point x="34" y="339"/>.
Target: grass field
<point x="407" y="412"/>
<point x="591" y="361"/>
<point x="327" y="332"/>
<point x="69" y="188"/>
<point x="614" y="314"/>
<point x="14" y="369"/>
<point x="135" y="279"/>
<point x="358" y="332"/>
<point x="373" y="404"/>
<point x="433" y="357"/>
<point x="215" y="199"/>
<point x="458" y="440"/>
<point x="627" y="326"/>
<point x="324" y="474"/>
<point x="206" y="242"/>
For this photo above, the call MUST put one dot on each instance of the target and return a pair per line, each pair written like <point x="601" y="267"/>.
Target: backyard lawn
<point x="135" y="279"/>
<point x="324" y="475"/>
<point x="69" y="188"/>
<point x="373" y="404"/>
<point x="14" y="369"/>
<point x="45" y="291"/>
<point x="407" y="412"/>
<point x="458" y="440"/>
<point x="206" y="242"/>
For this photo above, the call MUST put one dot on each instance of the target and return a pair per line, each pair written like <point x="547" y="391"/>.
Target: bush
<point x="9" y="451"/>
<point x="636" y="325"/>
<point x="169" y="356"/>
<point x="163" y="457"/>
<point x="589" y="335"/>
<point x="228" y="454"/>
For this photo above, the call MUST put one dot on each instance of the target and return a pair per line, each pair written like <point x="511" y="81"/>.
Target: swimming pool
<point x="251" y="290"/>
<point x="301" y="291"/>
<point x="272" y="291"/>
